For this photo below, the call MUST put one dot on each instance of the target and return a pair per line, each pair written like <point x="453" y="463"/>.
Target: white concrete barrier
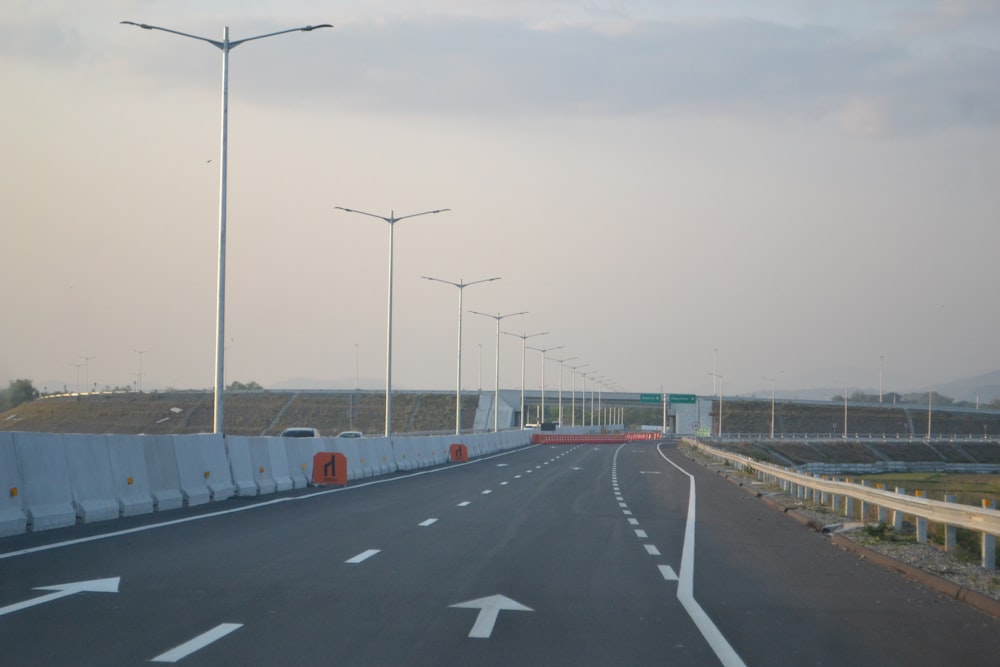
<point x="380" y="455"/>
<point x="203" y="468"/>
<point x="404" y="453"/>
<point x="240" y="465"/>
<point x="273" y="458"/>
<point x="129" y="475"/>
<point x="89" y="467"/>
<point x="300" y="453"/>
<point x="12" y="518"/>
<point x="260" y="465"/>
<point x="351" y="450"/>
<point x="48" y="498"/>
<point x="164" y="477"/>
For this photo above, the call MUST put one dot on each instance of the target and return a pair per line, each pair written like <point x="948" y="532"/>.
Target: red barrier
<point x="592" y="438"/>
<point x="329" y="468"/>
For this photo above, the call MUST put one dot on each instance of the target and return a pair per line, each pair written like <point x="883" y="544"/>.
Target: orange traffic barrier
<point x="458" y="453"/>
<point x="329" y="468"/>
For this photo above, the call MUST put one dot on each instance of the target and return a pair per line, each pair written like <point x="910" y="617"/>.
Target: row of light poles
<point x="226" y="45"/>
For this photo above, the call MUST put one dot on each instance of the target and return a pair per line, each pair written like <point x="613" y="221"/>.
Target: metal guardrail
<point x="841" y="495"/>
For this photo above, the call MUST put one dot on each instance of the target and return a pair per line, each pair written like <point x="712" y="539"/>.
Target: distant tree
<point x="18" y="392"/>
<point x="240" y="386"/>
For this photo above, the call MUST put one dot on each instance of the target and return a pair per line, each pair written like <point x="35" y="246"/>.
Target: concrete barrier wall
<point x="13" y="520"/>
<point x="51" y="480"/>
<point x="89" y="467"/>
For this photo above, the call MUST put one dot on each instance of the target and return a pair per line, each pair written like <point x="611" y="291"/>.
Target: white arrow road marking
<point x="201" y="641"/>
<point x="489" y="608"/>
<point x="64" y="590"/>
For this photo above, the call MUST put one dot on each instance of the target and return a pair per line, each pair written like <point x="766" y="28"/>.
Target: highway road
<point x="548" y="555"/>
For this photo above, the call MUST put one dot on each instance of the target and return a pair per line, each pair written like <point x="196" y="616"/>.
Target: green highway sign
<point x="649" y="398"/>
<point x="683" y="398"/>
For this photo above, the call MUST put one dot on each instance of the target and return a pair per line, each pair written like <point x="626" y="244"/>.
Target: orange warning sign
<point x="458" y="453"/>
<point x="329" y="468"/>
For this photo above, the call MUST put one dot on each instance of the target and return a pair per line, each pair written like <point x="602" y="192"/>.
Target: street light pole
<point x="496" y="377"/>
<point x="544" y="350"/>
<point x="771" y="380"/>
<point x="572" y="408"/>
<point x="523" y="337"/>
<point x="392" y="220"/>
<point x="140" y="353"/>
<point x="561" y="362"/>
<point x="458" y="382"/>
<point x="220" y="320"/>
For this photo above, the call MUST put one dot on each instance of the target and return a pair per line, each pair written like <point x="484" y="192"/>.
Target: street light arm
<point x="380" y="217"/>
<point x="308" y="28"/>
<point x="413" y="215"/>
<point x="145" y="26"/>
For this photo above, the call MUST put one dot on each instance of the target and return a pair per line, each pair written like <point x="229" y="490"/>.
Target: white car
<point x="300" y="432"/>
<point x="350" y="434"/>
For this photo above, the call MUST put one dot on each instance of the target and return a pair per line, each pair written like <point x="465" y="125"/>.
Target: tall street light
<point x="458" y="382"/>
<point x="771" y="380"/>
<point x="392" y="220"/>
<point x="220" y="319"/>
<point x="544" y="351"/>
<point x="572" y="407"/>
<point x="140" y="353"/>
<point x="523" y="337"/>
<point x="561" y="362"/>
<point x="496" y="379"/>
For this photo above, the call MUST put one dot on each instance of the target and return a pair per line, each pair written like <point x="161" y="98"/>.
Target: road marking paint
<point x="668" y="572"/>
<point x="641" y="533"/>
<point x="504" y="483"/>
<point x="487" y="492"/>
<point x="201" y="641"/>
<point x="427" y="522"/>
<point x="633" y="522"/>
<point x="685" y="588"/>
<point x="622" y="504"/>
<point x="464" y="503"/>
<point x="628" y="512"/>
<point x="363" y="556"/>
<point x="517" y="477"/>
<point x="652" y="550"/>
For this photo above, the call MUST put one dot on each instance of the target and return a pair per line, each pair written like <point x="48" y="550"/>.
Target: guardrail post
<point x="921" y="522"/>
<point x="950" y="532"/>
<point x="883" y="512"/>
<point x="897" y="516"/>
<point x="865" y="505"/>
<point x="989" y="542"/>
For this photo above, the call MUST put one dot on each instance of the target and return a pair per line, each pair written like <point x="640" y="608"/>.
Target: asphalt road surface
<point x="549" y="555"/>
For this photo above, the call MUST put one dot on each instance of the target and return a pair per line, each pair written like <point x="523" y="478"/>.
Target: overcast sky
<point x="803" y="190"/>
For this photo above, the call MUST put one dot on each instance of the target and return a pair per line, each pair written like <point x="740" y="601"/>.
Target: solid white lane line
<point x="685" y="587"/>
<point x="427" y="522"/>
<point x="198" y="643"/>
<point x="363" y="556"/>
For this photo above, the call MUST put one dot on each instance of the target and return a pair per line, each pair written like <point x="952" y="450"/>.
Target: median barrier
<point x="89" y="466"/>
<point x="329" y="468"/>
<point x="240" y="465"/>
<point x="129" y="475"/>
<point x="458" y="453"/>
<point x="202" y="468"/>
<point x="350" y="448"/>
<point x="299" y="452"/>
<point x="379" y="451"/>
<point x="164" y="477"/>
<point x="12" y="518"/>
<point x="48" y="498"/>
<point x="404" y="453"/>
<point x="269" y="453"/>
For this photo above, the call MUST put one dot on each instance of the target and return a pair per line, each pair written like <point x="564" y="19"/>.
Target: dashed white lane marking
<point x="504" y="483"/>
<point x="641" y="533"/>
<point x="652" y="550"/>
<point x="517" y="477"/>
<point x="633" y="522"/>
<point x="201" y="641"/>
<point x="627" y="512"/>
<point x="668" y="572"/>
<point x="427" y="522"/>
<point x="464" y="503"/>
<point x="487" y="492"/>
<point x="622" y="504"/>
<point x="363" y="556"/>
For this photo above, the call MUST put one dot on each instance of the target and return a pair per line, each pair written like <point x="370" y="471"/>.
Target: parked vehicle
<point x="300" y="432"/>
<point x="350" y="434"/>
